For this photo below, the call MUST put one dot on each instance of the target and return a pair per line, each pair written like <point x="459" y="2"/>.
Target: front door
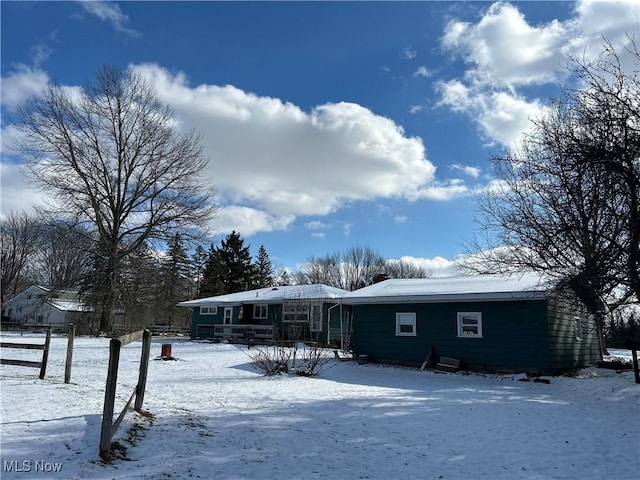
<point x="228" y="314"/>
<point x="226" y="320"/>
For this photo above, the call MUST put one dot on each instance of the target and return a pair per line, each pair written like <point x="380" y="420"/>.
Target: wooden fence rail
<point x="166" y="330"/>
<point x="254" y="333"/>
<point x="109" y="427"/>
<point x="42" y="365"/>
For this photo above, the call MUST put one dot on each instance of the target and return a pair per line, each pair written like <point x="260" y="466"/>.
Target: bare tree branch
<point x="113" y="157"/>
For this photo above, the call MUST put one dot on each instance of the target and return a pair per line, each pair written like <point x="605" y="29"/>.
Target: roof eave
<point x="448" y="298"/>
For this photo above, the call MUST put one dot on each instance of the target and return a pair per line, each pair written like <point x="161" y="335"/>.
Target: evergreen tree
<point x="175" y="282"/>
<point x="236" y="260"/>
<point x="263" y="269"/>
<point x="212" y="282"/>
<point x="228" y="268"/>
<point x="140" y="291"/>
<point x="198" y="263"/>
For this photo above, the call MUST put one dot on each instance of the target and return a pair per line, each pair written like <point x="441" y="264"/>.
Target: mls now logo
<point x="31" y="466"/>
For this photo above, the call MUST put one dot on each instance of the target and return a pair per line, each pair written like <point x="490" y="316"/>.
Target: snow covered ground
<point x="216" y="417"/>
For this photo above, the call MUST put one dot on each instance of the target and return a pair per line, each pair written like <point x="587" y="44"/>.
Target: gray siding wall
<point x="573" y="336"/>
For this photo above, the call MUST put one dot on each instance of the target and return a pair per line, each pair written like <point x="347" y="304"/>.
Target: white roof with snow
<point x="270" y="295"/>
<point x="69" y="305"/>
<point x="517" y="286"/>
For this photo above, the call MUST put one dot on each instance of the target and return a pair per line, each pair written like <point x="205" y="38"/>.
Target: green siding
<point x="514" y="334"/>
<point x="200" y="323"/>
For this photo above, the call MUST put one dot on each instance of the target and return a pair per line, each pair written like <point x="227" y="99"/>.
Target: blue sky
<point x="327" y="124"/>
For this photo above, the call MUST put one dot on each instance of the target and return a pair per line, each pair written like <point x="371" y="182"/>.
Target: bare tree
<point x="320" y="270"/>
<point x="360" y="265"/>
<point x="19" y="236"/>
<point x="63" y="256"/>
<point x="113" y="158"/>
<point x="608" y="112"/>
<point x="405" y="269"/>
<point x="566" y="203"/>
<point x="354" y="268"/>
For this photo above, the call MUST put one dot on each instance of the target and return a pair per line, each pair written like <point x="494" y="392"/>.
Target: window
<point x="470" y="324"/>
<point x="578" y="327"/>
<point x="295" y="312"/>
<point x="259" y="311"/>
<point x="209" y="310"/>
<point x="315" y="325"/>
<point x="406" y="324"/>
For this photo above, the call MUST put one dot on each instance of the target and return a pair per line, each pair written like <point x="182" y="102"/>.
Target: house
<point x="38" y="305"/>
<point x="488" y="322"/>
<point x="296" y="311"/>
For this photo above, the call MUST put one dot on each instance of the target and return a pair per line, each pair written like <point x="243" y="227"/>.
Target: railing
<point x="157" y="330"/>
<point x="246" y="333"/>
<point x="42" y="365"/>
<point x="109" y="428"/>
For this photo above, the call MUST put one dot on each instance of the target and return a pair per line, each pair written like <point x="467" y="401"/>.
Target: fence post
<point x="45" y="354"/>
<point x="109" y="399"/>
<point x="632" y="344"/>
<point x="67" y="366"/>
<point x="144" y="368"/>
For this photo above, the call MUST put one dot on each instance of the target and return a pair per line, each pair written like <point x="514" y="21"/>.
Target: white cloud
<point x="504" y="52"/>
<point x="400" y="219"/>
<point x="408" y="53"/>
<point x="318" y="234"/>
<point x="249" y="221"/>
<point x="457" y="96"/>
<point x="415" y="109"/>
<point x="507" y="117"/>
<point x="504" y="49"/>
<point x="16" y="193"/>
<point x="467" y="170"/>
<point x="272" y="157"/>
<point x="24" y="82"/>
<point x="271" y="161"/>
<point x="446" y="191"/>
<point x="422" y="72"/>
<point x="502" y="116"/>
<point x="316" y="225"/>
<point x="109" y="12"/>
<point x="438" y="266"/>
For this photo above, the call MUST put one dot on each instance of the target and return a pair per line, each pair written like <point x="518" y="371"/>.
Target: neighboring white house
<point x="38" y="305"/>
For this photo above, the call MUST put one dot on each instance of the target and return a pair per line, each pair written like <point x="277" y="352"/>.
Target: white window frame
<point x="315" y="319"/>
<point x="211" y="310"/>
<point x="295" y="312"/>
<point x="477" y="316"/>
<point x="404" y="319"/>
<point x="261" y="311"/>
<point x="228" y="316"/>
<point x="577" y="321"/>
